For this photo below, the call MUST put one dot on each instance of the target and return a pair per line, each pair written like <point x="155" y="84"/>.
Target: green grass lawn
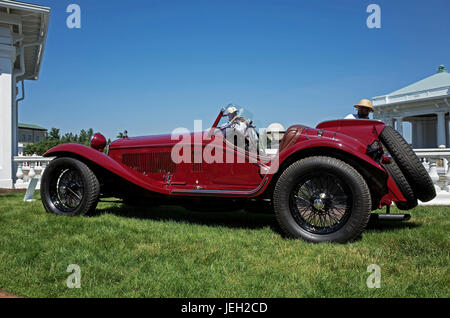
<point x="171" y="252"/>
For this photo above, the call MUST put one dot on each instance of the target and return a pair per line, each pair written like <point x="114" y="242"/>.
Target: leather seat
<point x="290" y="137"/>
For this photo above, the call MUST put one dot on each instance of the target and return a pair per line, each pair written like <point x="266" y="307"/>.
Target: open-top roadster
<point x="321" y="183"/>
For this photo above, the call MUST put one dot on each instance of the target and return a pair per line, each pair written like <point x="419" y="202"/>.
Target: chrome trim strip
<point x="221" y="192"/>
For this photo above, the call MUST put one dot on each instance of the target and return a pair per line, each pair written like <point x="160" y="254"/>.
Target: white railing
<point x="29" y="173"/>
<point x="436" y="162"/>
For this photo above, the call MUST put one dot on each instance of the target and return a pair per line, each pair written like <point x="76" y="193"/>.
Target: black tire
<point x="413" y="170"/>
<point x="69" y="188"/>
<point x="403" y="185"/>
<point x="328" y="179"/>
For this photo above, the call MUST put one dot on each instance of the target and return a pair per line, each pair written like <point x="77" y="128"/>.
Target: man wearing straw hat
<point x="364" y="108"/>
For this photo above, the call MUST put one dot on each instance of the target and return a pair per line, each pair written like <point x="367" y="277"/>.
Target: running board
<point x="389" y="217"/>
<point x="219" y="192"/>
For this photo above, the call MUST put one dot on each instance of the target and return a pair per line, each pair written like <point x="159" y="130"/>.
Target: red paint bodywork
<point x="98" y="142"/>
<point x="128" y="158"/>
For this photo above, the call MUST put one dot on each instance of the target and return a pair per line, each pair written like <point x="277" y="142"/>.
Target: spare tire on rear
<point x="403" y="185"/>
<point x="410" y="165"/>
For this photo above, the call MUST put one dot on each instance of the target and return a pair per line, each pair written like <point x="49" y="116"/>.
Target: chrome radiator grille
<point x="150" y="162"/>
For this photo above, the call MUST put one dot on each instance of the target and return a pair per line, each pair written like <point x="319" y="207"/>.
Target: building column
<point x="440" y="129"/>
<point x="414" y="133"/>
<point x="390" y="121"/>
<point x="399" y="125"/>
<point x="447" y="121"/>
<point x="7" y="58"/>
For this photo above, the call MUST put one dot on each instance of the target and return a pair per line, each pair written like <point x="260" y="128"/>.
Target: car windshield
<point x="240" y="112"/>
<point x="239" y="121"/>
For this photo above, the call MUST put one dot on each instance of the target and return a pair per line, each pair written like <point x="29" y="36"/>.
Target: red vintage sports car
<point x="321" y="183"/>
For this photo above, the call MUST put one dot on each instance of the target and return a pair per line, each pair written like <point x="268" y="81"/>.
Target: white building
<point x="425" y="104"/>
<point x="23" y="32"/>
<point x="29" y="134"/>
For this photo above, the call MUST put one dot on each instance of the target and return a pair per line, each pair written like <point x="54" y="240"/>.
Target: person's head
<point x="364" y="108"/>
<point x="232" y="112"/>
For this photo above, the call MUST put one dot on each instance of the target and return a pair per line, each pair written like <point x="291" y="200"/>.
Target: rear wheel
<point x="409" y="164"/>
<point x="322" y="199"/>
<point x="69" y="188"/>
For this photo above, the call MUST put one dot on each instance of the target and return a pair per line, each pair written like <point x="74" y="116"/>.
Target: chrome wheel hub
<point x="318" y="202"/>
<point x="321" y="202"/>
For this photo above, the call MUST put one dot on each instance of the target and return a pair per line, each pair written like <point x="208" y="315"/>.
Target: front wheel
<point x="322" y="199"/>
<point x="69" y="188"/>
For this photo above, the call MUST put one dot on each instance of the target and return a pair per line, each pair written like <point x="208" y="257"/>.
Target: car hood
<point x="152" y="141"/>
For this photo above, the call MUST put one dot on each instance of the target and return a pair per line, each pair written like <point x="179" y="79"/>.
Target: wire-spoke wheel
<point x="69" y="188"/>
<point x="322" y="199"/>
<point x="321" y="202"/>
<point x="66" y="189"/>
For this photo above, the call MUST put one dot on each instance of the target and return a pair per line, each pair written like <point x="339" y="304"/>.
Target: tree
<point x="83" y="138"/>
<point x="41" y="147"/>
<point x="55" y="139"/>
<point x="68" y="138"/>
<point x="90" y="133"/>
<point x="54" y="134"/>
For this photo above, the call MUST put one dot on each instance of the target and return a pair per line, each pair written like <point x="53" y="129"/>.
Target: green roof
<point x="440" y="79"/>
<point x="29" y="126"/>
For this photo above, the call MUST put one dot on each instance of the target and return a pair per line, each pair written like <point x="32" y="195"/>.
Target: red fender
<point x="311" y="138"/>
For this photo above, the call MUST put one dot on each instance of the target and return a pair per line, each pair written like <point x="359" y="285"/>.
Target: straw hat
<point x="231" y="110"/>
<point x="365" y="103"/>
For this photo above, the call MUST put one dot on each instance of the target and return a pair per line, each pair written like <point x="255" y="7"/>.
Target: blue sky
<point x="152" y="66"/>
